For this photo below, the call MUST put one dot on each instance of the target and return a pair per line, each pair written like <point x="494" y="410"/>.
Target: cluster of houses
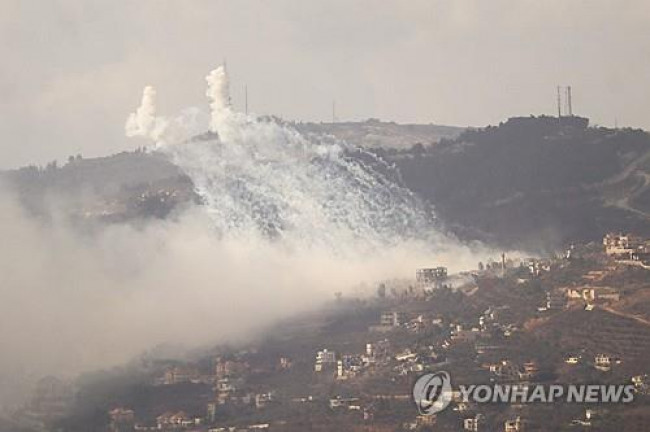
<point x="589" y="292"/>
<point x="628" y="248"/>
<point x="350" y="365"/>
<point x="123" y="419"/>
<point x="476" y="423"/>
<point x="587" y="295"/>
<point x="601" y="361"/>
<point x="52" y="399"/>
<point x="508" y="371"/>
<point x="228" y="379"/>
<point x="414" y="361"/>
<point x="483" y="332"/>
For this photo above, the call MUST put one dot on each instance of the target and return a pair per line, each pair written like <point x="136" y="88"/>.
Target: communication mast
<point x="568" y="107"/>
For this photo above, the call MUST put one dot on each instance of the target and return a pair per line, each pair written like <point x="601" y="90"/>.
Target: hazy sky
<point x="72" y="70"/>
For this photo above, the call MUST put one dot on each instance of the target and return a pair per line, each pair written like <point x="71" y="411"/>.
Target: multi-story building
<point x="622" y="246"/>
<point x="392" y="319"/>
<point x="431" y="276"/>
<point x="514" y="425"/>
<point x="473" y="424"/>
<point x="324" y="359"/>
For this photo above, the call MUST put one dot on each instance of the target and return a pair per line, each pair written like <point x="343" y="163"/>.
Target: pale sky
<point x="72" y="70"/>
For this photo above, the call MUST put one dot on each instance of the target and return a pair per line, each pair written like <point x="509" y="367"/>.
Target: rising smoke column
<point x="262" y="180"/>
<point x="218" y="92"/>
<point x="143" y="122"/>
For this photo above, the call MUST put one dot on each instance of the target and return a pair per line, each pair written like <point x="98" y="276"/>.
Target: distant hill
<point x="530" y="182"/>
<point x="534" y="182"/>
<point x="128" y="184"/>
<point x="374" y="133"/>
<point x="117" y="187"/>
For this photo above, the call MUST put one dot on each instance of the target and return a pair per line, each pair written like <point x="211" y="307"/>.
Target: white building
<point x="324" y="359"/>
<point x="473" y="424"/>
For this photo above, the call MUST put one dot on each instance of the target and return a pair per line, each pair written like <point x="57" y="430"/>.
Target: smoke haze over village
<point x="262" y="246"/>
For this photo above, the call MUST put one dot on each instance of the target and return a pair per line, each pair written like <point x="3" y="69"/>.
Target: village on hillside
<point x="579" y="316"/>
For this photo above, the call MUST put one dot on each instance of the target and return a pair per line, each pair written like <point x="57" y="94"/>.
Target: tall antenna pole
<point x="566" y="101"/>
<point x="225" y="70"/>
<point x="569" y="101"/>
<point x="559" y="104"/>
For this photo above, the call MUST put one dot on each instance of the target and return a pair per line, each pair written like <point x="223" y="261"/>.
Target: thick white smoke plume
<point x="262" y="180"/>
<point x="219" y="94"/>
<point x="143" y="122"/>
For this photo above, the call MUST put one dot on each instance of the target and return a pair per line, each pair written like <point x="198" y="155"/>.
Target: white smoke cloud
<point x="74" y="301"/>
<point x="143" y="122"/>
<point x="218" y="92"/>
<point x="259" y="178"/>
